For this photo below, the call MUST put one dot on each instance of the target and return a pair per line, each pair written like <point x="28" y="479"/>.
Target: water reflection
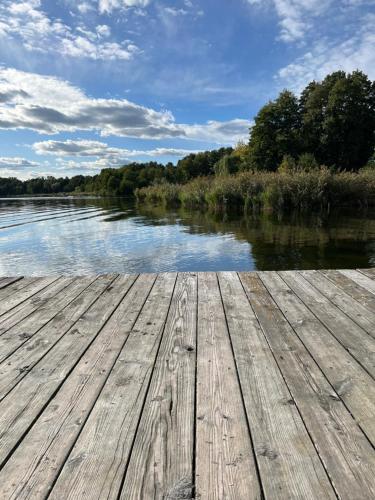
<point x="92" y="235"/>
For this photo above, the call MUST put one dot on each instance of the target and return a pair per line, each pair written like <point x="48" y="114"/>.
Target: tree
<point x="199" y="164"/>
<point x="338" y="120"/>
<point x="333" y="120"/>
<point x="276" y="133"/>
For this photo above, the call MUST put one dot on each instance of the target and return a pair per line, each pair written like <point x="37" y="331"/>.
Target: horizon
<point x="174" y="77"/>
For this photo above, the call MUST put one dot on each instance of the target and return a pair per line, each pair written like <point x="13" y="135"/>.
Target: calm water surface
<point x="40" y="236"/>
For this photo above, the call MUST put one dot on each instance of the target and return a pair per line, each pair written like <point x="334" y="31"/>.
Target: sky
<point x="88" y="84"/>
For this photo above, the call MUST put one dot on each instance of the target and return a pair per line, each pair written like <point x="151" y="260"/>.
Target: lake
<point x="40" y="236"/>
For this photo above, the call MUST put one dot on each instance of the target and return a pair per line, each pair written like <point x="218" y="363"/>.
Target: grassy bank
<point x="317" y="190"/>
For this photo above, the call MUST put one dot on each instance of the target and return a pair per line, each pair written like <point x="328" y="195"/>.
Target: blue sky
<point x="86" y="84"/>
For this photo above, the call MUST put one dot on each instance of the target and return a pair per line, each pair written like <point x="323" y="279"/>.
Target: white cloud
<point x="356" y="52"/>
<point x="103" y="30"/>
<point x="296" y="16"/>
<point x="229" y="132"/>
<point x="92" y="167"/>
<point x="17" y="167"/>
<point x="107" y="6"/>
<point x="87" y="148"/>
<point x="172" y="11"/>
<point x="23" y="176"/>
<point x="27" y="23"/>
<point x="16" y="163"/>
<point x="84" y="7"/>
<point x="49" y="105"/>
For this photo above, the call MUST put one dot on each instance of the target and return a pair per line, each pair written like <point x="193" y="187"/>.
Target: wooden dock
<point x="176" y="386"/>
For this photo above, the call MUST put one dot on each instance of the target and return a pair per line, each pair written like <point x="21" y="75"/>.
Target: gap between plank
<point x="285" y="382"/>
<point x="104" y="382"/>
<point x="63" y="381"/>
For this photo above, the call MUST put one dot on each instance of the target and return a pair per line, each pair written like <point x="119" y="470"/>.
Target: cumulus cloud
<point x="16" y="163"/>
<point x="21" y="168"/>
<point x="26" y="22"/>
<point x="97" y="149"/>
<point x="355" y="52"/>
<point x="72" y="167"/>
<point x="50" y="105"/>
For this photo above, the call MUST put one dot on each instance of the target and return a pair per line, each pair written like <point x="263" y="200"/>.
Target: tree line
<point x="119" y="181"/>
<point x="331" y="123"/>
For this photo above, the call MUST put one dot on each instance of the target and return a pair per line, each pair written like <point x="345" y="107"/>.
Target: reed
<point x="316" y="190"/>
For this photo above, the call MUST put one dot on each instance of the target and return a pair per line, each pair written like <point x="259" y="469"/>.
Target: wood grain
<point x="161" y="462"/>
<point x="360" y="345"/>
<point x="29" y="397"/>
<point x="225" y="464"/>
<point x="354" y="385"/>
<point x="350" y="287"/>
<point x="95" y="468"/>
<point x="47" y="445"/>
<point x="208" y="386"/>
<point x="288" y="463"/>
<point x="348" y="456"/>
<point x="353" y="309"/>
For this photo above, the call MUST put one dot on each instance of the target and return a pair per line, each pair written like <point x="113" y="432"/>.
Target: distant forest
<point x="331" y="123"/>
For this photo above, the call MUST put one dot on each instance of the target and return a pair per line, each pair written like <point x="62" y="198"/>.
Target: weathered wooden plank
<point x="32" y="393"/>
<point x="288" y="462"/>
<point x="347" y="454"/>
<point x="358" y="292"/>
<point x="225" y="464"/>
<point x="358" y="313"/>
<point x="15" y="287"/>
<point x="4" y="282"/>
<point x="368" y="272"/>
<point x="15" y="294"/>
<point x="26" y="308"/>
<point x="161" y="462"/>
<point x="360" y="278"/>
<point x="96" y="465"/>
<point x="6" y="292"/>
<point x="360" y="345"/>
<point x="25" y="344"/>
<point x="43" y="452"/>
<point x="104" y="415"/>
<point x="353" y="384"/>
